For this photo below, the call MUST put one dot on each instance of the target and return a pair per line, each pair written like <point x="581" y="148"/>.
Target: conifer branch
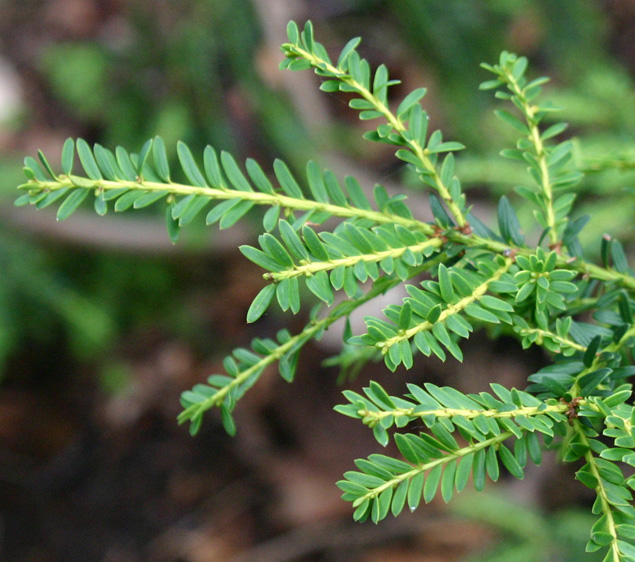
<point x="351" y="72"/>
<point x="474" y="277"/>
<point x="304" y="269"/>
<point x="604" y="532"/>
<point x="61" y="184"/>
<point x="451" y="309"/>
<point x="370" y="417"/>
<point x="375" y="493"/>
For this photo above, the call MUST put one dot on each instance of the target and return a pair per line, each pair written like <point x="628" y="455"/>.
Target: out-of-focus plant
<point x="525" y="533"/>
<point x="34" y="303"/>
<point x="175" y="75"/>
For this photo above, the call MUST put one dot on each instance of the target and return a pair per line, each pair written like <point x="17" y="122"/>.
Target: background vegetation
<point x="103" y="322"/>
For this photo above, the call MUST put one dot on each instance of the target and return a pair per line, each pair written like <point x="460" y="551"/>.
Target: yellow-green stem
<point x="469" y="414"/>
<point x="310" y="268"/>
<point x="534" y="136"/>
<point x="449" y="311"/>
<point x="259" y="198"/>
<point x="600" y="491"/>
<point x="429" y="465"/>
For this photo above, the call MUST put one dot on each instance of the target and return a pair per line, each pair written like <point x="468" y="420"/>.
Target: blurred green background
<point x="103" y="322"/>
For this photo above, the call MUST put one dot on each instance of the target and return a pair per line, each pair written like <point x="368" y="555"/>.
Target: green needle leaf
<point x="261" y="303"/>
<point x="70" y="204"/>
<point x="68" y="156"/>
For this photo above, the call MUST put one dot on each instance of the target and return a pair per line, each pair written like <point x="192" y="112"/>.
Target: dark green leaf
<point x="510" y="462"/>
<point x="440" y="215"/>
<point x="574" y="228"/>
<point x="260" y="258"/>
<point x="261" y="303"/>
<point x="126" y="201"/>
<point x="620" y="262"/>
<point x="591" y="350"/>
<point x="405" y="316"/>
<point x="399" y="498"/>
<point x="434" y="313"/>
<point x="494" y="303"/>
<point x="479" y="313"/>
<point x="212" y="169"/>
<point x="491" y="464"/>
<point x="314" y="244"/>
<point x="172" y="225"/>
<point x="228" y="421"/>
<point x="316" y="182"/>
<point x="319" y="285"/>
<point x="508" y="223"/>
<point x="292" y="240"/>
<point x="144" y="153"/>
<point x="357" y="196"/>
<point x="333" y="189"/>
<point x="445" y="284"/>
<point x="270" y="220"/>
<point x="274" y="249"/>
<point x="478" y="470"/>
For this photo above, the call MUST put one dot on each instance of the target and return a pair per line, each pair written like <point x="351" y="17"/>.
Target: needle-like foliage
<point x="459" y="275"/>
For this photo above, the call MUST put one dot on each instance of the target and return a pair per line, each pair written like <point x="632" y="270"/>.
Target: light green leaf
<point x="445" y="284"/>
<point x="161" y="159"/>
<point x="88" y="160"/>
<point x="286" y="179"/>
<point x="411" y="99"/>
<point x="189" y="165"/>
<point x="68" y="156"/>
<point x="70" y="204"/>
<point x="432" y="483"/>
